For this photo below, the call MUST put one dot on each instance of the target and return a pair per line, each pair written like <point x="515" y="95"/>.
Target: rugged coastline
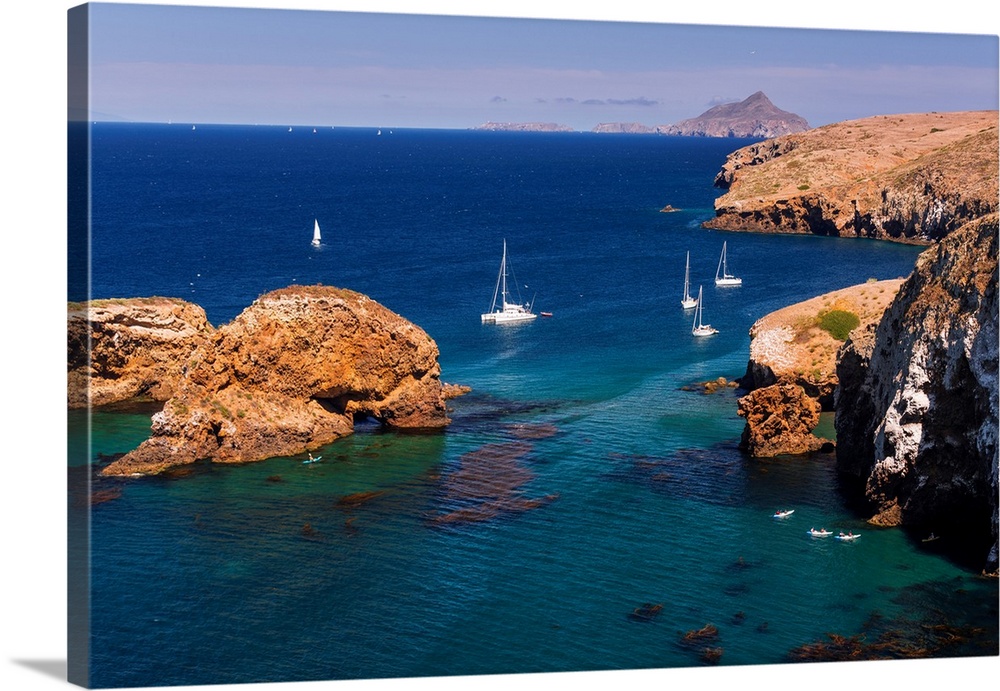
<point x="289" y="374"/>
<point x="909" y="178"/>
<point x="791" y="372"/>
<point x="913" y="385"/>
<point x="916" y="408"/>
<point x="912" y="372"/>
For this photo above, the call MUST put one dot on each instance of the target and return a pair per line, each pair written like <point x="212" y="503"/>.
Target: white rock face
<point x="917" y="411"/>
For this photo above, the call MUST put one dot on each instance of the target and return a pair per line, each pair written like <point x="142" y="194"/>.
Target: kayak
<point x="783" y="514"/>
<point x="820" y="533"/>
<point x="847" y="538"/>
<point x="312" y="460"/>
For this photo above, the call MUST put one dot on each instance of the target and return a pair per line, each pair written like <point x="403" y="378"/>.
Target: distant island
<point x="523" y="127"/>
<point x="753" y="117"/>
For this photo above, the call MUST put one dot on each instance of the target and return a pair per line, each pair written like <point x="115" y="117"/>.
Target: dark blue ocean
<point x="631" y="489"/>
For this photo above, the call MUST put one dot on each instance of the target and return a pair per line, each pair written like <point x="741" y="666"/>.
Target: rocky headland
<point x="289" y="374"/>
<point x="791" y="373"/>
<point x="755" y="116"/>
<point x="912" y="178"/>
<point x="916" y="406"/>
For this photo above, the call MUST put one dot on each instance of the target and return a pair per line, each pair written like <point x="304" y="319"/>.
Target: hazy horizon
<point x="231" y="65"/>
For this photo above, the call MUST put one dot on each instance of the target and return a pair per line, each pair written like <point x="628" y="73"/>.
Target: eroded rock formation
<point x="138" y="347"/>
<point x="780" y="420"/>
<point x="911" y="178"/>
<point x="290" y="374"/>
<point x="917" y="411"/>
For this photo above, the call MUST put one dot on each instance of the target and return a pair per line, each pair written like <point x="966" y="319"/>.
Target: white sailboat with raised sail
<point x="722" y="275"/>
<point x="502" y="310"/>
<point x="687" y="302"/>
<point x="317" y="238"/>
<point x="697" y="328"/>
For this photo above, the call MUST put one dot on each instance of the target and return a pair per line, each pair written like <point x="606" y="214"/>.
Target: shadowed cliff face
<point x="912" y="178"/>
<point x="916" y="407"/>
<point x="290" y="374"/>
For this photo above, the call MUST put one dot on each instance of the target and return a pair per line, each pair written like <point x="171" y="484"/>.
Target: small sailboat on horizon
<point x="502" y="310"/>
<point x="317" y="237"/>
<point x="722" y="275"/>
<point x="697" y="328"/>
<point x="688" y="302"/>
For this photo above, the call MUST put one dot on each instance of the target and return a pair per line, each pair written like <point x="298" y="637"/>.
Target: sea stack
<point x="290" y="374"/>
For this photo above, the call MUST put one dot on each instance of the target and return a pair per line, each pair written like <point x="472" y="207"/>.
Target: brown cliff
<point x="289" y="374"/>
<point x="913" y="178"/>
<point x="917" y="410"/>
<point x="138" y="348"/>
<point x="755" y="116"/>
<point x="791" y="373"/>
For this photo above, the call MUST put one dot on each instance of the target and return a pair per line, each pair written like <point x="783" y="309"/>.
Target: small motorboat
<point x="847" y="538"/>
<point x="783" y="514"/>
<point x="820" y="533"/>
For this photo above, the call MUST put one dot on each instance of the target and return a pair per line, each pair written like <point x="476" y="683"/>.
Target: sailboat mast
<point x="687" y="275"/>
<point x="503" y="271"/>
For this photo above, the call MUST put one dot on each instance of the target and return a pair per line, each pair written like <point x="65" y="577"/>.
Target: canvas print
<point x="416" y="346"/>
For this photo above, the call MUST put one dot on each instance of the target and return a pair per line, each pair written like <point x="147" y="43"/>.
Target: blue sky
<point x="310" y="67"/>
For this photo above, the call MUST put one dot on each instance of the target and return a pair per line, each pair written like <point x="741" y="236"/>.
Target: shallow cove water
<point x="578" y="481"/>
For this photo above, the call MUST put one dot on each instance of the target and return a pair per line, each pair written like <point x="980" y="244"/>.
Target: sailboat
<point x="687" y="302"/>
<point x="316" y="235"/>
<point x="697" y="328"/>
<point x="502" y="310"/>
<point x="725" y="279"/>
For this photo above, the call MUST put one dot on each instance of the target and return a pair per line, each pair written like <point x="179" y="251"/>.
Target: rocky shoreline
<point x="913" y="385"/>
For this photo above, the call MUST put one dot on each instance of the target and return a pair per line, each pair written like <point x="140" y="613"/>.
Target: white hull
<point x="507" y="317"/>
<point x="729" y="281"/>
<point x="316" y="235"/>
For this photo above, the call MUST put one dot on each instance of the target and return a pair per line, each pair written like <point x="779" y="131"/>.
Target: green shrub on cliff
<point x="839" y="323"/>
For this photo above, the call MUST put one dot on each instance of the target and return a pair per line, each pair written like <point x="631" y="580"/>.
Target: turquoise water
<point x="576" y="483"/>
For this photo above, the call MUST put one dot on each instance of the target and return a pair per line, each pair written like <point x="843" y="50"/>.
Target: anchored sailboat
<point x="502" y="310"/>
<point x="687" y="302"/>
<point x="697" y="328"/>
<point x="316" y="236"/>
<point x="725" y="279"/>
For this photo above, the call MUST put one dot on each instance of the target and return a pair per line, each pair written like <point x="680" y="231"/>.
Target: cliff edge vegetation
<point x="911" y="178"/>
<point x="791" y="374"/>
